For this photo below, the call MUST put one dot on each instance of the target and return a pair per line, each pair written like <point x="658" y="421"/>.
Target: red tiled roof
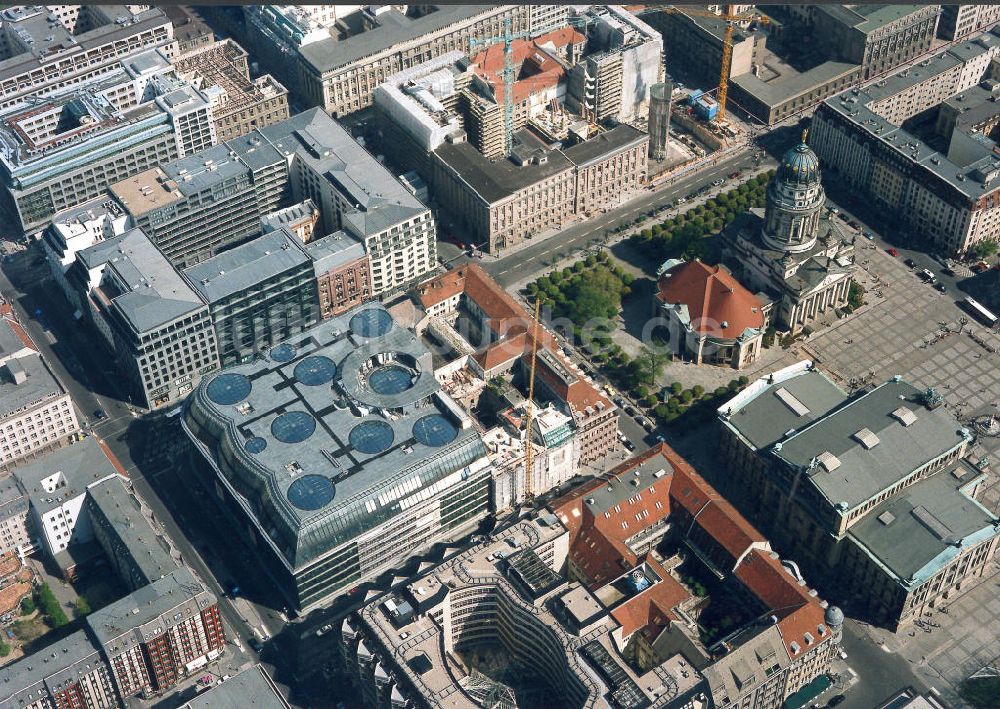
<point x="798" y="613"/>
<point x="537" y="68"/>
<point x="502" y="351"/>
<point x="562" y="37"/>
<point x="19" y="332"/>
<point x="728" y="527"/>
<point x="653" y="606"/>
<point x="441" y="288"/>
<point x="712" y="297"/>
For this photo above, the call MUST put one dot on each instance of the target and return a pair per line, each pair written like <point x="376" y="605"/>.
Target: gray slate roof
<point x="247" y="266"/>
<point x="81" y="464"/>
<point x="40" y="383"/>
<point x="900" y="450"/>
<point x="75" y="656"/>
<point x="916" y="531"/>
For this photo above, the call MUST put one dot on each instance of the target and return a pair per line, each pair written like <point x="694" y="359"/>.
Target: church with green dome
<point x="798" y="260"/>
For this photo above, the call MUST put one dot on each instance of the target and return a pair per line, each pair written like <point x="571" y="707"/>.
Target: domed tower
<point x="834" y="618"/>
<point x="795" y="199"/>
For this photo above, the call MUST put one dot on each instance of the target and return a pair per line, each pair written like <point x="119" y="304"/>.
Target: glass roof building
<point x="337" y="454"/>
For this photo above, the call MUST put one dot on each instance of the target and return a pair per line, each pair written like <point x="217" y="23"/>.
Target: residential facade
<point x="342" y="271"/>
<point x="960" y="21"/>
<point x="36" y="412"/>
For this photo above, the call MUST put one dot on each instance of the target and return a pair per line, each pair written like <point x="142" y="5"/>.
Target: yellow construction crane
<point x="731" y="18"/>
<point x="529" y="492"/>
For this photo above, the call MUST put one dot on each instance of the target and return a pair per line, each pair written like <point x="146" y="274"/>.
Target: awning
<point x="807" y="693"/>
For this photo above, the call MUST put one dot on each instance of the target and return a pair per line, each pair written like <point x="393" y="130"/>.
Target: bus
<point x="980" y="313"/>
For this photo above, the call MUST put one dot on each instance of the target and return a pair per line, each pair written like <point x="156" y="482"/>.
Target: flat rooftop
<point x="494" y="180"/>
<point x="248" y="688"/>
<point x="394" y="29"/>
<point x="914" y="533"/>
<point x="75" y="467"/>
<point x="605" y="143"/>
<point x="335" y="417"/>
<point x="333" y="251"/>
<point x="39" y="384"/>
<point x="245" y="267"/>
<point x="872" y="448"/>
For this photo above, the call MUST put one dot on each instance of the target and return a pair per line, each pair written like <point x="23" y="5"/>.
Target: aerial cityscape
<point x="500" y="356"/>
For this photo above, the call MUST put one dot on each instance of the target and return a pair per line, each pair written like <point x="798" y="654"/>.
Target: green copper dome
<point x="799" y="166"/>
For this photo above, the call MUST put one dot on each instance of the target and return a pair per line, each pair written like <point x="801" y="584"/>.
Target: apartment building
<point x="76" y="675"/>
<point x="340" y="489"/>
<point x="56" y="485"/>
<point x="158" y="634"/>
<point x="258" y="294"/>
<point x="342" y="271"/>
<point x="15" y="533"/>
<point x="46" y="48"/>
<point x="157" y="327"/>
<point x="249" y="687"/>
<point x="505" y="345"/>
<point x="960" y="21"/>
<point x="239" y="105"/>
<point x="502" y="203"/>
<point x="120" y="523"/>
<point x="865" y="491"/>
<point x="951" y="198"/>
<point x="36" y="413"/>
<point x="340" y="73"/>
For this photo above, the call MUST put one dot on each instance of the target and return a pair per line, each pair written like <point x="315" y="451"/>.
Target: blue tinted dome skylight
<point x="371" y="323"/>
<point x="311" y="492"/>
<point x="293" y="427"/>
<point x="390" y="379"/>
<point x="282" y="353"/>
<point x="256" y="445"/>
<point x="229" y="389"/>
<point x="434" y="430"/>
<point x="315" y="371"/>
<point x="372" y="437"/>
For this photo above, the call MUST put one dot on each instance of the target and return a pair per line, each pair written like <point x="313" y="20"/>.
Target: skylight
<point x="904" y="415"/>
<point x="791" y="402"/>
<point x="866" y="438"/>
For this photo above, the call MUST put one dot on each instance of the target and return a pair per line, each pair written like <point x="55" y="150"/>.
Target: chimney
<point x="16" y="372"/>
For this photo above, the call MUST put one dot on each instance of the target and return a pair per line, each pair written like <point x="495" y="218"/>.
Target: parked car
<point x="734" y="175"/>
<point x="682" y="200"/>
<point x="910" y="263"/>
<point x="892" y="252"/>
<point x="940" y="287"/>
<point x="100" y="414"/>
<point x="630" y="411"/>
<point x="324" y="630"/>
<point x="854" y="224"/>
<point x="718" y="183"/>
<point x="869" y="235"/>
<point x="834" y="701"/>
<point x="256" y="644"/>
<point x="926" y="275"/>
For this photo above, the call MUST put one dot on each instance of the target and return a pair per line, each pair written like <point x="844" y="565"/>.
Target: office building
<point x="343" y="273"/>
<point x="120" y="523"/>
<point x="716" y="320"/>
<point x="351" y="455"/>
<point x="502" y="203"/>
<point x="240" y="105"/>
<point x="340" y="70"/>
<point x="791" y="251"/>
<point x="258" y="294"/>
<point x="624" y="639"/>
<point x="625" y="61"/>
<point x="945" y="196"/>
<point x="46" y="48"/>
<point x="76" y="675"/>
<point x="56" y="485"/>
<point x="36" y="413"/>
<point x="504" y="347"/>
<point x="191" y="32"/>
<point x="195" y="207"/>
<point x="959" y="21"/>
<point x="869" y="492"/>
<point x="156" y="326"/>
<point x="158" y="634"/>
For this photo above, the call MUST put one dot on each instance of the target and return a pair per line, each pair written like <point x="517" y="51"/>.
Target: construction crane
<point x="529" y="492"/>
<point x="507" y="38"/>
<point x="731" y="18"/>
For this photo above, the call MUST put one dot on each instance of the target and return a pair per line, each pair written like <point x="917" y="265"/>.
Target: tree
<point x="81" y="608"/>
<point x="50" y="606"/>
<point x="27" y="606"/>
<point x="687" y="395"/>
<point x="985" y="248"/>
<point x="855" y="296"/>
<point x="721" y="391"/>
<point x="698" y="390"/>
<point x="4" y="649"/>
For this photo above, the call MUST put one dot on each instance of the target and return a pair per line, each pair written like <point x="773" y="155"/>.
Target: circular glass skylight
<point x="282" y="353"/>
<point x="434" y="430"/>
<point x="371" y="323"/>
<point x="311" y="492"/>
<point x="229" y="389"/>
<point x="315" y="371"/>
<point x="293" y="427"/>
<point x="390" y="379"/>
<point x="256" y="445"/>
<point x="372" y="437"/>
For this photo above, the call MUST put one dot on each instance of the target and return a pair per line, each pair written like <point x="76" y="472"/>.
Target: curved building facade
<point x="337" y="454"/>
